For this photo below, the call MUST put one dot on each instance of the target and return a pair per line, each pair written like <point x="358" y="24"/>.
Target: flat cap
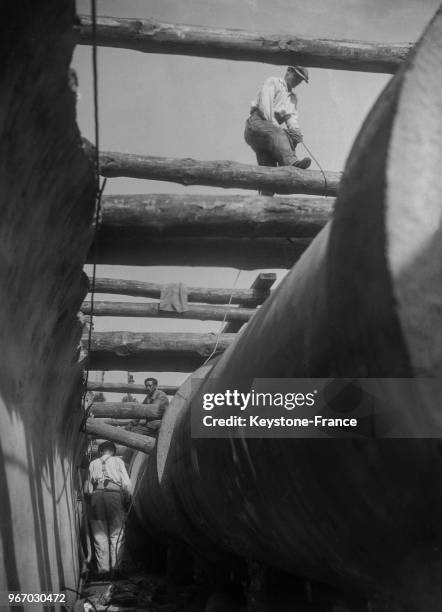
<point x="303" y="72"/>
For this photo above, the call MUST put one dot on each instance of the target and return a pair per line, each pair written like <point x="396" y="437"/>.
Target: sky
<point x="175" y="106"/>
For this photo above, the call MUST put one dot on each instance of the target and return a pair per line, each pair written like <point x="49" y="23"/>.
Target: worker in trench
<point x="272" y="129"/>
<point x="110" y="490"/>
<point x="153" y="396"/>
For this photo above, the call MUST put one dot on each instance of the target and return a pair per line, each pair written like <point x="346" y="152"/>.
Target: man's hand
<point x="296" y="136"/>
<point x="281" y="116"/>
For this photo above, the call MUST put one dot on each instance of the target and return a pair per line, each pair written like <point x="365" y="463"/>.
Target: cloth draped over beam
<point x="174" y="297"/>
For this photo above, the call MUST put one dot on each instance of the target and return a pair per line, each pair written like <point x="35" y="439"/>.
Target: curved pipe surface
<point x="363" y="301"/>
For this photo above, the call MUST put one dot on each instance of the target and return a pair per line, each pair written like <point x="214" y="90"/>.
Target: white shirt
<point x="111" y="468"/>
<point x="275" y="102"/>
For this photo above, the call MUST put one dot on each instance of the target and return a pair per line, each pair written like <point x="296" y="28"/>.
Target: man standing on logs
<point x="153" y="396"/>
<point x="110" y="489"/>
<point x="272" y="130"/>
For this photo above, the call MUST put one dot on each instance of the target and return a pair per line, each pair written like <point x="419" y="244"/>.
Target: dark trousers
<point x="107" y="525"/>
<point x="271" y="144"/>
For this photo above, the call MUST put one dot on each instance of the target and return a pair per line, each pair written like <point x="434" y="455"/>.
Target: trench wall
<point x="46" y="203"/>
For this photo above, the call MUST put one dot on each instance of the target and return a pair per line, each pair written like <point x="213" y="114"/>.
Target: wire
<point x="319" y="166"/>
<point x="223" y="321"/>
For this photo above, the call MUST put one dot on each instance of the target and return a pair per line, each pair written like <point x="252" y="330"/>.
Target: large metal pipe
<point x="363" y="301"/>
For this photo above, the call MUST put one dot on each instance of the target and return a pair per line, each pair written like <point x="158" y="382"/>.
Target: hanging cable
<point x="319" y="166"/>
<point x="223" y="321"/>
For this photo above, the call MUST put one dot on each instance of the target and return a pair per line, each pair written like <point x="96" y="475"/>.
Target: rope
<point x="223" y="321"/>
<point x="319" y="166"/>
<point x="98" y="196"/>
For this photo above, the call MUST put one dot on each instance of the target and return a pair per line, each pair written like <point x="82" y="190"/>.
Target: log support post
<point x="261" y="285"/>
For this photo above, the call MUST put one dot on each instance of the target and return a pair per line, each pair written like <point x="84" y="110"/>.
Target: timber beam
<point x="261" y="283"/>
<point x="126" y="410"/>
<point x="153" y="310"/>
<point x="246" y="232"/>
<point x="118" y="435"/>
<point x="151" y="36"/>
<point x="108" y="387"/>
<point x="209" y="295"/>
<point x="111" y="421"/>
<point x="154" y="352"/>
<point x="240" y="253"/>
<point x="153" y="425"/>
<point x="143" y="217"/>
<point x="186" y="171"/>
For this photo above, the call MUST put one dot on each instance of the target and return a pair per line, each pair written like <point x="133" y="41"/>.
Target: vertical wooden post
<point x="261" y="284"/>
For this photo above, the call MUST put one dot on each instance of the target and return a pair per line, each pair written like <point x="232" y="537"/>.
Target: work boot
<point x="302" y="163"/>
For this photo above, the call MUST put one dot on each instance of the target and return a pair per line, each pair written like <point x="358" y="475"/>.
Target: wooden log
<point x="202" y="313"/>
<point x="143" y="217"/>
<point x="285" y="179"/>
<point x="115" y="422"/>
<point x="364" y="301"/>
<point x="180" y="230"/>
<point x="126" y="410"/>
<point x="151" y="36"/>
<point x="145" y="444"/>
<point x="240" y="253"/>
<point x="153" y="425"/>
<point x="261" y="283"/>
<point x="209" y="295"/>
<point x="127" y="388"/>
<point x="154" y="352"/>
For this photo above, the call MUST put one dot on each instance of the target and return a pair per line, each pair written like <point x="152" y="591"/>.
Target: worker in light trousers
<point x="110" y="489"/>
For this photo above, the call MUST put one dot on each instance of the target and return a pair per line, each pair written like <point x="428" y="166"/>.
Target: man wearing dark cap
<point x="272" y="130"/>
